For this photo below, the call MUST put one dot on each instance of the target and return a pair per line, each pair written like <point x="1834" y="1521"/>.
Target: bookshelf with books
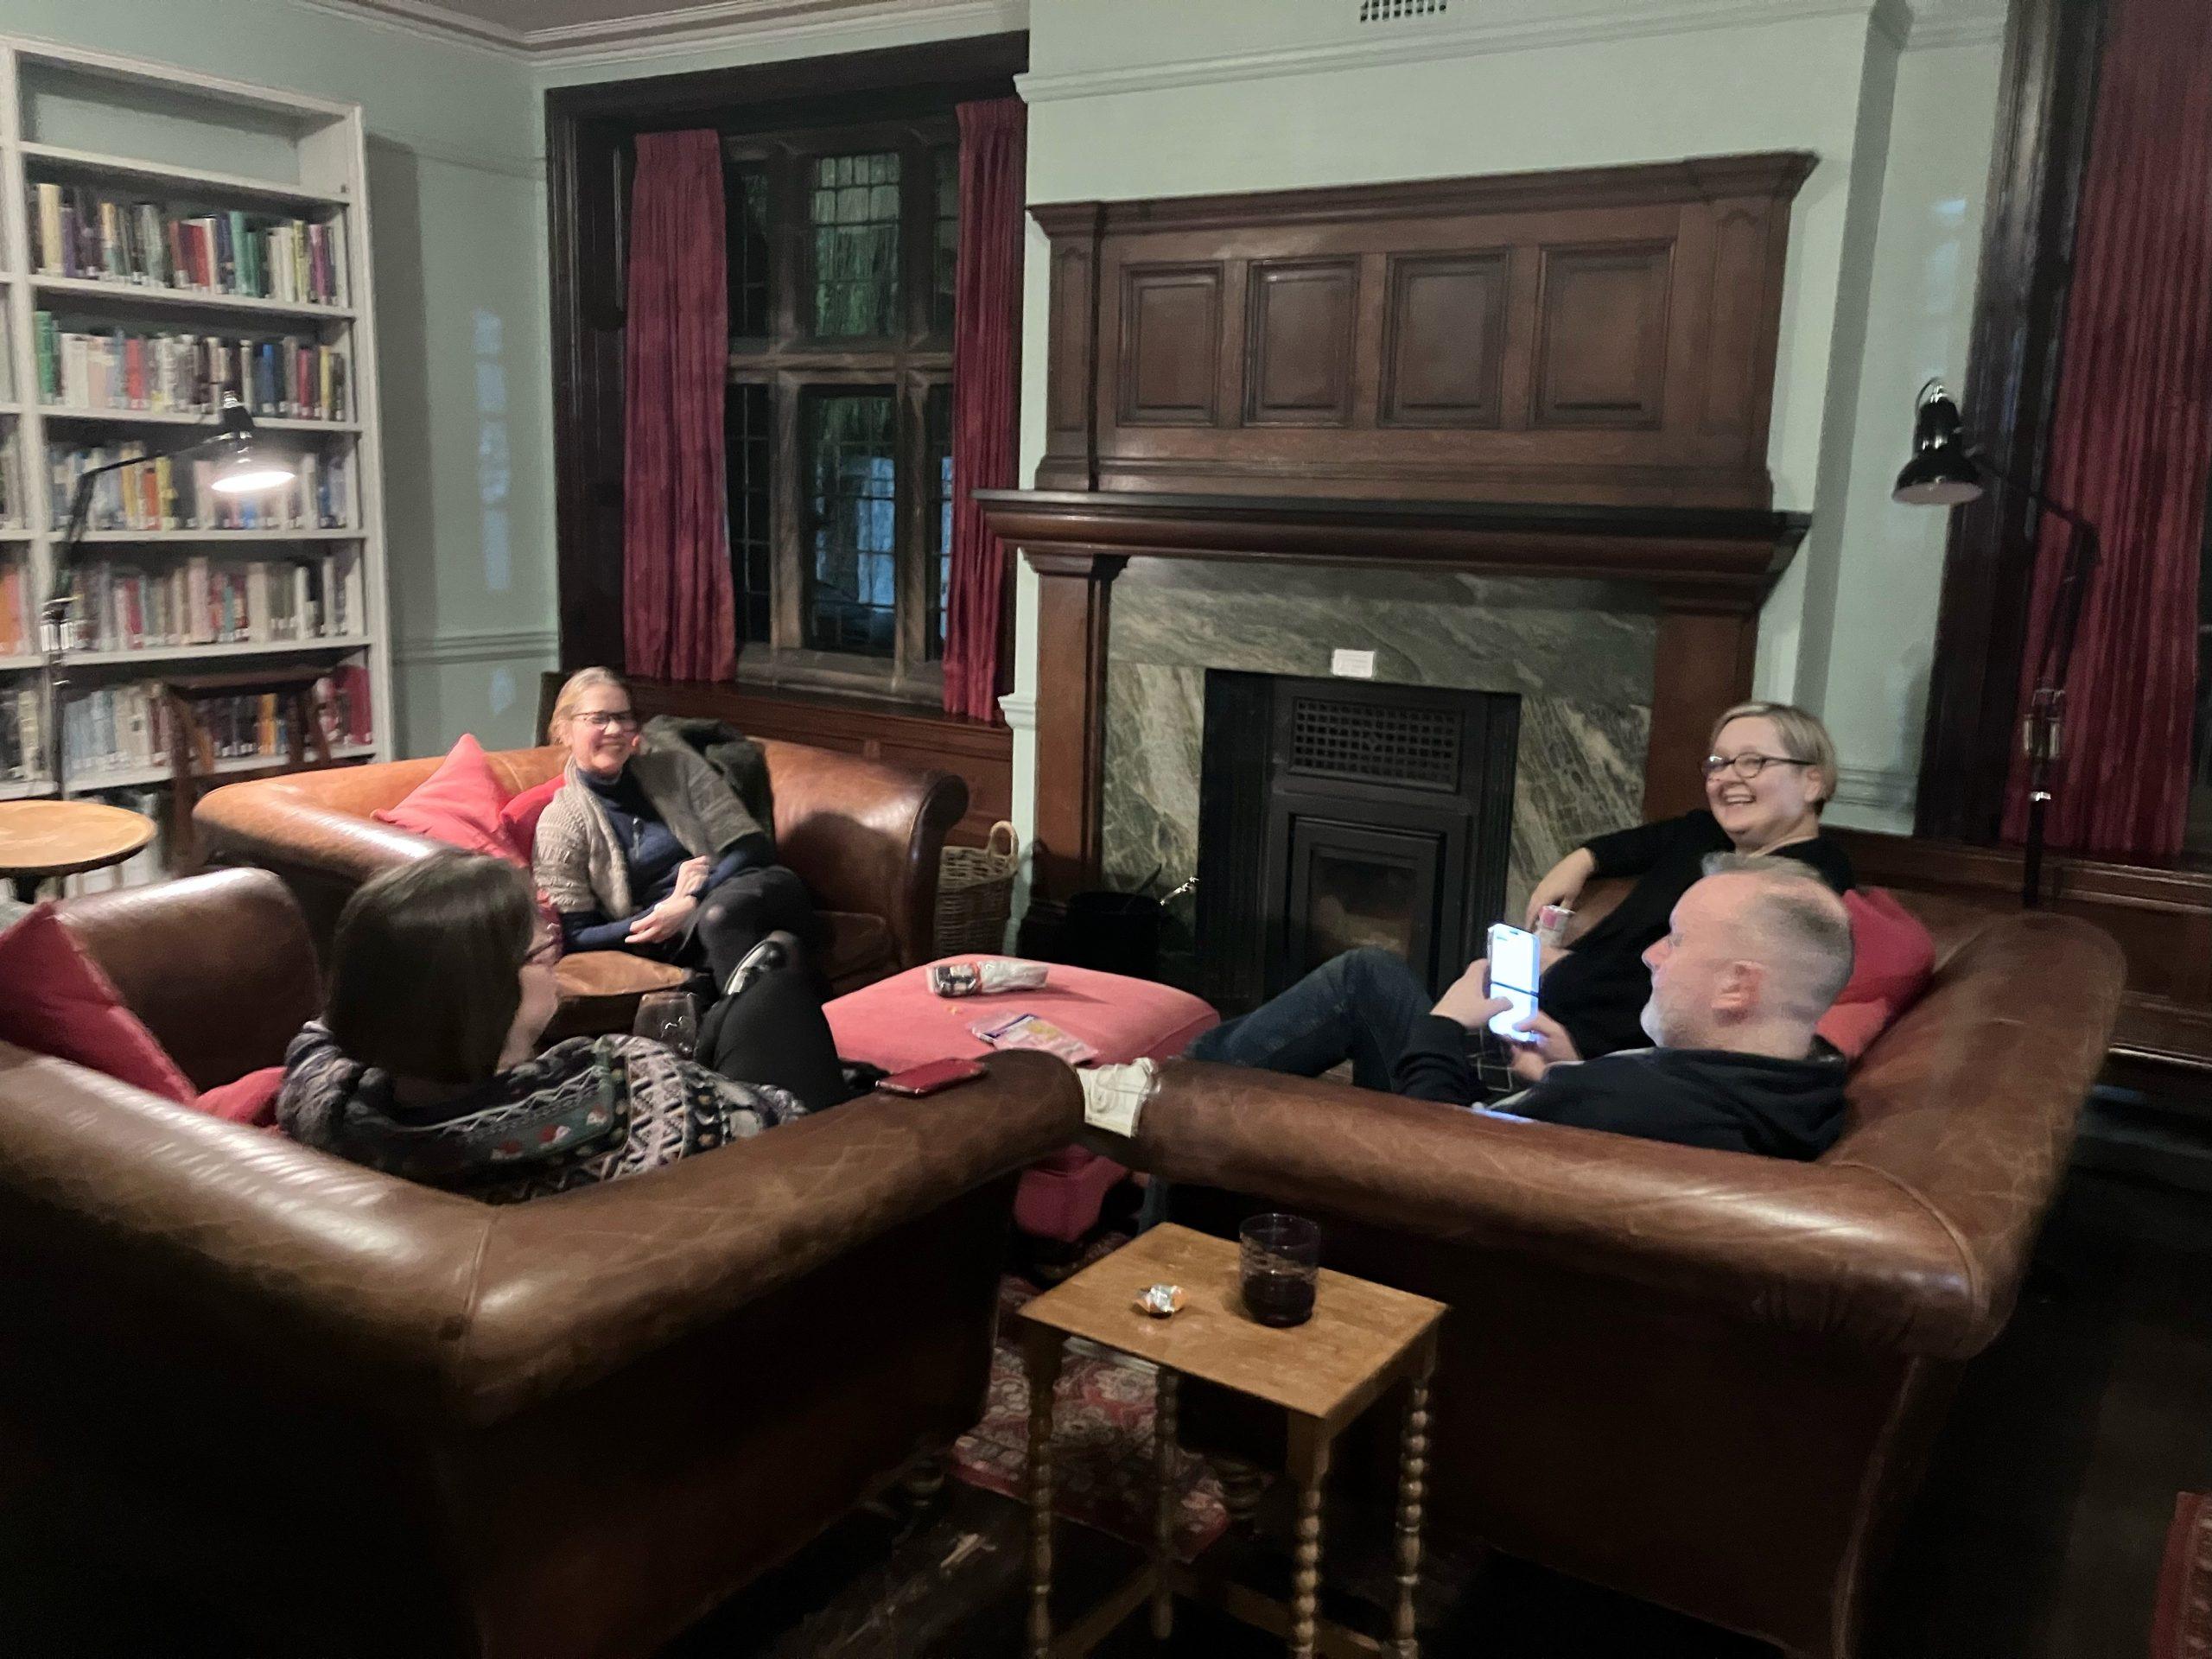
<point x="168" y="239"/>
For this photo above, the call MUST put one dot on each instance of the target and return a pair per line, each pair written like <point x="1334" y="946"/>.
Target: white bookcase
<point x="190" y="145"/>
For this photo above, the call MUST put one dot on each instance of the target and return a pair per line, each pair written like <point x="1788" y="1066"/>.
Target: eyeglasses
<point x="1747" y="766"/>
<point x="598" y="721"/>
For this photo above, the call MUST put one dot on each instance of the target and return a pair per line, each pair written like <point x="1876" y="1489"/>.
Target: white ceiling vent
<point x="1392" y="12"/>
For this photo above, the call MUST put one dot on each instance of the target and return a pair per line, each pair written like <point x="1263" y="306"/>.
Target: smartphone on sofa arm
<point x="1515" y="962"/>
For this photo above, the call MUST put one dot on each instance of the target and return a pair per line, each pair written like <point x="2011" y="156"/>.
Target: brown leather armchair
<point x="865" y="837"/>
<point x="1705" y="1379"/>
<point x="378" y="1419"/>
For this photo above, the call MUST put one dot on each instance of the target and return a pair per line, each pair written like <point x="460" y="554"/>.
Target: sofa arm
<point x="572" y="1287"/>
<point x="266" y="824"/>
<point x="1841" y="1253"/>
<point x="865" y="837"/>
<point x="289" y="1264"/>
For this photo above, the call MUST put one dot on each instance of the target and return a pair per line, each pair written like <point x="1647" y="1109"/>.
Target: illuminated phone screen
<point x="1515" y="960"/>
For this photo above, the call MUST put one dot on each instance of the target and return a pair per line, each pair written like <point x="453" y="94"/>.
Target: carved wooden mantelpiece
<point x="1707" y="569"/>
<point x="1603" y="336"/>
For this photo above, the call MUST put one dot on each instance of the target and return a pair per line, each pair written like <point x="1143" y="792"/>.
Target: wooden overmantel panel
<point x="1604" y="336"/>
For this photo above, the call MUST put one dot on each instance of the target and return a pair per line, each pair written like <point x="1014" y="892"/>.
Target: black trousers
<point x="773" y="1032"/>
<point x="739" y="913"/>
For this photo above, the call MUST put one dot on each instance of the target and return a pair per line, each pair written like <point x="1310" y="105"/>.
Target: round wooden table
<point x="42" y="839"/>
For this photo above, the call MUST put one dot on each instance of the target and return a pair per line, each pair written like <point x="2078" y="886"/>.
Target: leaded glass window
<point x="842" y="248"/>
<point x="855" y="218"/>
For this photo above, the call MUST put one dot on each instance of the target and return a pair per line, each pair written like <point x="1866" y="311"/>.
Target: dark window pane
<point x="745" y="209"/>
<point x="938" y="423"/>
<point x="748" y="438"/>
<point x="948" y="238"/>
<point x="854" y="211"/>
<point x="852" y="533"/>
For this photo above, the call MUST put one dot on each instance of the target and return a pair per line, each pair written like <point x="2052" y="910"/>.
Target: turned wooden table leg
<point x="1041" y="1351"/>
<point x="1413" y="1486"/>
<point x="1309" y="1467"/>
<point x="1168" y="1507"/>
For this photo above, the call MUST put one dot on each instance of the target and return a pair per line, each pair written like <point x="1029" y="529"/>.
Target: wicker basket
<point x="975" y="893"/>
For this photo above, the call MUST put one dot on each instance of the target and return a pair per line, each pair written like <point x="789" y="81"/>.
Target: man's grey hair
<point x="1799" y="916"/>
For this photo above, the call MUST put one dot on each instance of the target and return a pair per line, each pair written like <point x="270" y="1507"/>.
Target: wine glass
<point x="669" y="1018"/>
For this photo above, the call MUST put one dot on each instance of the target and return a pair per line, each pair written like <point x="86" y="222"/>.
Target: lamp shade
<point x="243" y="466"/>
<point x="1940" y="472"/>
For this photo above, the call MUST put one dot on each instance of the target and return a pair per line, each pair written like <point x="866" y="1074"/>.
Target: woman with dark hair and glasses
<point x="646" y="848"/>
<point x="425" y="1063"/>
<point x="1771" y="769"/>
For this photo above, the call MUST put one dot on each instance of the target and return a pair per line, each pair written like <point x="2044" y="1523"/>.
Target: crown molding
<point x="677" y="31"/>
<point x="1624" y="20"/>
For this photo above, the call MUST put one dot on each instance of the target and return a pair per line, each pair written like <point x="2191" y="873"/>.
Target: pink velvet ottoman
<point x="897" y="1023"/>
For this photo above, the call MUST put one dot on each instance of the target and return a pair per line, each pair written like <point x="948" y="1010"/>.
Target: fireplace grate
<point x="1334" y="738"/>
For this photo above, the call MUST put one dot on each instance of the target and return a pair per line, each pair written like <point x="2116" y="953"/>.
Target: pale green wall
<point x="1258" y="94"/>
<point x="456" y="202"/>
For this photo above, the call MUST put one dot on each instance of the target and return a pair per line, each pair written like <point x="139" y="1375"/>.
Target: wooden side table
<point x="42" y="839"/>
<point x="1362" y="1339"/>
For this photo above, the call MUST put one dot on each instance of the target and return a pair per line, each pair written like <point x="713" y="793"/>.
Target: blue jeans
<point x="1358" y="1006"/>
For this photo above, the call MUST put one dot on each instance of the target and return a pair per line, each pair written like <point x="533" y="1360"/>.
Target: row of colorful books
<point x="23" y="729"/>
<point x="77" y="232"/>
<point x="124" y="728"/>
<point x="166" y="371"/>
<point x="176" y="495"/>
<point x="203" y="602"/>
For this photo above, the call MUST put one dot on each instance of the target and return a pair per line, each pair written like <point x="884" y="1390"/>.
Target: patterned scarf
<point x="589" y="1109"/>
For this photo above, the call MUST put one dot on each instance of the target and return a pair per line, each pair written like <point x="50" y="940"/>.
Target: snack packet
<point x="986" y="977"/>
<point x="1028" y="1031"/>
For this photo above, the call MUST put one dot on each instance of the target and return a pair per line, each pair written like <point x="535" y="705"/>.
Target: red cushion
<point x="60" y="1003"/>
<point x="459" y="804"/>
<point x="897" y="1022"/>
<point x="1893" y="959"/>
<point x="251" y="1099"/>
<point x="520" y="817"/>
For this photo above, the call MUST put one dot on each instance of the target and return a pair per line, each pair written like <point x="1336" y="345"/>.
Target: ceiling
<point x="541" y="25"/>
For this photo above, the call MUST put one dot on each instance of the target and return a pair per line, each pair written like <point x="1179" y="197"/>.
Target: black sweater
<point x="1598" y="989"/>
<point x="1692" y="1097"/>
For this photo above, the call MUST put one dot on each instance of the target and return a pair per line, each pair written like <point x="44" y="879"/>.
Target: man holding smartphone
<point x="1755" y="952"/>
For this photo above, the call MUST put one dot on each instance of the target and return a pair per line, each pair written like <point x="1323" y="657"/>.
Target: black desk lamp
<point x="244" y="468"/>
<point x="1945" y="471"/>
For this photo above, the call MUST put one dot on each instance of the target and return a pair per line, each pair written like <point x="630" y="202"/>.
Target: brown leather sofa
<point x="1705" y="1379"/>
<point x="366" y="1417"/>
<point x="865" y="838"/>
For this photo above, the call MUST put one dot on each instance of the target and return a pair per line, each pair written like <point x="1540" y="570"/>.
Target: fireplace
<point x="1335" y="815"/>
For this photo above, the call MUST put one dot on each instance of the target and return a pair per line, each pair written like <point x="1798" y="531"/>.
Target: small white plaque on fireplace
<point x="1352" y="664"/>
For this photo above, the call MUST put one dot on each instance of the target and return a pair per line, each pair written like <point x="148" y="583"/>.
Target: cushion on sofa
<point x="251" y="1099"/>
<point x="520" y="817"/>
<point x="1893" y="959"/>
<point x="60" y="1003"/>
<point x="459" y="804"/>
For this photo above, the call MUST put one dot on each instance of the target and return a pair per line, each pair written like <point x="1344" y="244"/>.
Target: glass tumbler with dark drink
<point x="1280" y="1261"/>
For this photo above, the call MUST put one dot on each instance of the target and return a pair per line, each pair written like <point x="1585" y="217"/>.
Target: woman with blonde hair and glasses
<point x="647" y="849"/>
<point x="1769" y="769"/>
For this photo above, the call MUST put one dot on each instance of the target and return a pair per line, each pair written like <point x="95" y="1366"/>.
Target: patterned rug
<point x="1101" y="1445"/>
<point x="2182" y="1627"/>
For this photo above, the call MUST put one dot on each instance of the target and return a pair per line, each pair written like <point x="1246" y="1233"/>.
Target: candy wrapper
<point x="986" y="977"/>
<point x="1028" y="1031"/>
<point x="1159" y="1300"/>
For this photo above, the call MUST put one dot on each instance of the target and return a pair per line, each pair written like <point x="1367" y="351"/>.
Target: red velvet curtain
<point x="679" y="619"/>
<point x="986" y="391"/>
<point x="2131" y="443"/>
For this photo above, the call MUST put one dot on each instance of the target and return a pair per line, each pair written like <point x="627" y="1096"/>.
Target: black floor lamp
<point x="1945" y="471"/>
<point x="244" y="469"/>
